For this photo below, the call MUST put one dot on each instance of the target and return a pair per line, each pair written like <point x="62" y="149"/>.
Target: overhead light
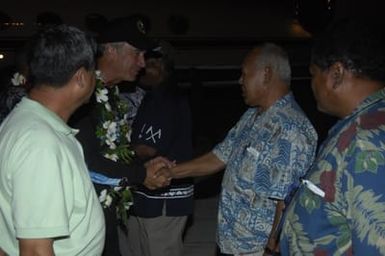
<point x="1" y="56"/>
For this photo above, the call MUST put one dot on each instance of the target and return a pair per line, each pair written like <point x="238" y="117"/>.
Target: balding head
<point x="274" y="57"/>
<point x="265" y="75"/>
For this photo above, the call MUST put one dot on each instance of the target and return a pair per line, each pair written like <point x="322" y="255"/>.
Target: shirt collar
<point x="370" y="100"/>
<point x="50" y="117"/>
<point x="365" y="104"/>
<point x="281" y="102"/>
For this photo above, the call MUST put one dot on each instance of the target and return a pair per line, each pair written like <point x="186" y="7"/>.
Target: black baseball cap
<point x="127" y="29"/>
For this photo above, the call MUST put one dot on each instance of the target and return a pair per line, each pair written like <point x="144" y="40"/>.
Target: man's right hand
<point x="160" y="159"/>
<point x="158" y="175"/>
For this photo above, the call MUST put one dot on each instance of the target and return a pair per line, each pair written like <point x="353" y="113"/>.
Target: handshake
<point x="158" y="173"/>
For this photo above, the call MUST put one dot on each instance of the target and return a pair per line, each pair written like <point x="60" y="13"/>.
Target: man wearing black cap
<point x="123" y="44"/>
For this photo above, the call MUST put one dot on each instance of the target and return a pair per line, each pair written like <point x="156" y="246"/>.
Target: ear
<point x="112" y="50"/>
<point x="267" y="74"/>
<point x="79" y="78"/>
<point x="337" y="72"/>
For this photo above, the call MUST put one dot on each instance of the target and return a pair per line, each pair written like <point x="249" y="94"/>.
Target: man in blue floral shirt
<point x="271" y="146"/>
<point x="340" y="207"/>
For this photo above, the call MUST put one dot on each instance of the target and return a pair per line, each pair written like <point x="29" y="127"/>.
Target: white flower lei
<point x="114" y="134"/>
<point x="113" y="129"/>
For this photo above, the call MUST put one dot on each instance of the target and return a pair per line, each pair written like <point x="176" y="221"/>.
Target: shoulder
<point x="27" y="129"/>
<point x="294" y="119"/>
<point x="366" y="131"/>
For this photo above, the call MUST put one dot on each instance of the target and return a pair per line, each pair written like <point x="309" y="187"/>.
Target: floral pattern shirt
<point x="264" y="154"/>
<point x="350" y="170"/>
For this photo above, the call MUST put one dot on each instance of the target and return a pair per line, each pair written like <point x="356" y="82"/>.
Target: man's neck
<point x="54" y="100"/>
<point x="359" y="91"/>
<point x="275" y="94"/>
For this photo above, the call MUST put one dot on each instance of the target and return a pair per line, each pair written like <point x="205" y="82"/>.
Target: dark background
<point x="209" y="39"/>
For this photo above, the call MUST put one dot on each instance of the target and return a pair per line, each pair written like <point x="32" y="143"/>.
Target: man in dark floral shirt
<point x="340" y="207"/>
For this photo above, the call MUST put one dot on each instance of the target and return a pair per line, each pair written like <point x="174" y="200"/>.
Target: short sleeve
<point x="39" y="203"/>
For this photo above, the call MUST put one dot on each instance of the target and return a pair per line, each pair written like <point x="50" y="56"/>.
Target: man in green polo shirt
<point x="48" y="205"/>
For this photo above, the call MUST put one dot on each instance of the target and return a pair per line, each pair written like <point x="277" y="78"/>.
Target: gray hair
<point x="102" y="47"/>
<point x="117" y="45"/>
<point x="271" y="55"/>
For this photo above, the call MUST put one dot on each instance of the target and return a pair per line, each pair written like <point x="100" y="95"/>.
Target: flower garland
<point x="18" y="79"/>
<point x="121" y="197"/>
<point x="112" y="130"/>
<point x="114" y="134"/>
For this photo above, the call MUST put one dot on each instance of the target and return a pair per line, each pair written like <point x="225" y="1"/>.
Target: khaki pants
<point x="159" y="236"/>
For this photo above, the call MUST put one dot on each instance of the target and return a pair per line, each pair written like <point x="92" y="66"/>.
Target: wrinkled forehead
<point x="132" y="47"/>
<point x="251" y="60"/>
<point x="252" y="57"/>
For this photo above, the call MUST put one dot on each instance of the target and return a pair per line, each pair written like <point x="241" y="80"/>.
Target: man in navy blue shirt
<point x="162" y="127"/>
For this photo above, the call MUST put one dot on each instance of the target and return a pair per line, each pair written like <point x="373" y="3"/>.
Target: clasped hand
<point x="158" y="173"/>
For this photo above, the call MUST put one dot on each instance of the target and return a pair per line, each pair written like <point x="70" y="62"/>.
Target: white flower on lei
<point x="103" y="195"/>
<point x="117" y="188"/>
<point x="111" y="133"/>
<point x="105" y="199"/>
<point x="124" y="120"/>
<point x="109" y="126"/>
<point x="18" y="79"/>
<point x="116" y="90"/>
<point x="107" y="106"/>
<point x="108" y="201"/>
<point x="110" y="143"/>
<point x="112" y="157"/>
<point x="101" y="95"/>
<point x="127" y="205"/>
<point x="128" y="135"/>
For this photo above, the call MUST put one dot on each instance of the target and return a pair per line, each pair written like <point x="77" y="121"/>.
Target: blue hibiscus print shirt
<point x="264" y="153"/>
